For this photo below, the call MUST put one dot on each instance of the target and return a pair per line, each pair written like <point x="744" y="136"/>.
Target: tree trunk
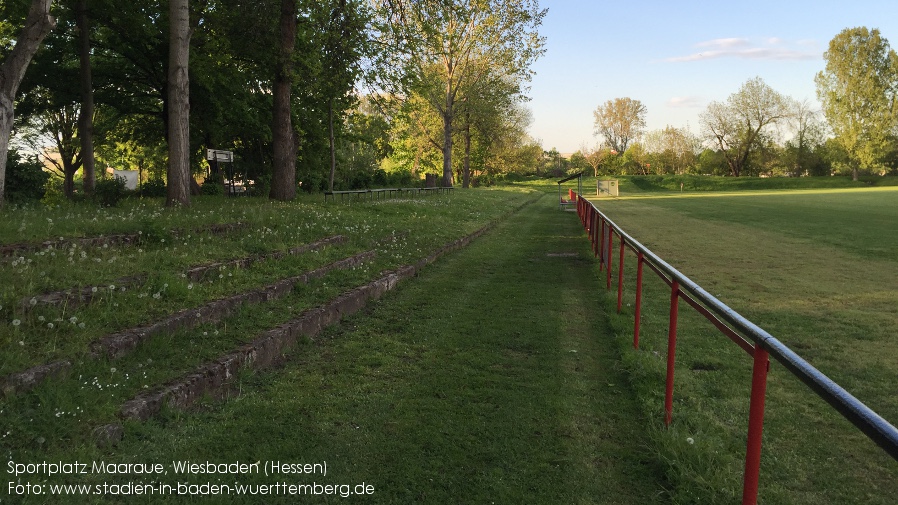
<point x="417" y="164"/>
<point x="330" y="120"/>
<point x="466" y="174"/>
<point x="86" y="119"/>
<point x="447" y="141"/>
<point x="37" y="25"/>
<point x="283" y="178"/>
<point x="179" y="105"/>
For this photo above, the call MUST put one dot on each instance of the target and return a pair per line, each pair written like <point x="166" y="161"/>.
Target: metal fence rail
<point x="759" y="344"/>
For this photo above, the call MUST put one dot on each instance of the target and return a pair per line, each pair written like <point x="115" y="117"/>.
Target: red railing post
<point x="620" y="274"/>
<point x="602" y="245"/>
<point x="609" y="254"/>
<point x="671" y="351"/>
<point x="591" y="219"/>
<point x="640" y="261"/>
<point x="755" y="426"/>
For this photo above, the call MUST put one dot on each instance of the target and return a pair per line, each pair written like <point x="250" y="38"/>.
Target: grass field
<point x="816" y="268"/>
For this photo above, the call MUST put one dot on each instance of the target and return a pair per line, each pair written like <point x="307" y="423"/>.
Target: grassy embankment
<point x="483" y="380"/>
<point x="816" y="268"/>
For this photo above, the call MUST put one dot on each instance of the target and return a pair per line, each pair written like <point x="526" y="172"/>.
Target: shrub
<point x="25" y="179"/>
<point x="402" y="179"/>
<point x="379" y="179"/>
<point x="110" y="192"/>
<point x="153" y="188"/>
<point x="211" y="187"/>
<point x="53" y="192"/>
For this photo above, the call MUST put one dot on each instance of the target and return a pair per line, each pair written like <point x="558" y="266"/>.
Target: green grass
<point x="672" y="183"/>
<point x="817" y="269"/>
<point x="492" y="376"/>
<point x="484" y="380"/>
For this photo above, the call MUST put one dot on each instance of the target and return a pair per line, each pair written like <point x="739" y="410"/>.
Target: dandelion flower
<point x="81" y="325"/>
<point x="51" y="325"/>
<point x="73" y="319"/>
<point x="112" y="287"/>
<point x="16" y="322"/>
<point x="93" y="289"/>
<point x="41" y="318"/>
<point x="32" y="302"/>
<point x="690" y="440"/>
<point x="190" y="286"/>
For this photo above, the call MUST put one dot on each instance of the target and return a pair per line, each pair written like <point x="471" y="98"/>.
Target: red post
<point x="671" y="351"/>
<point x="620" y="275"/>
<point x="755" y="426"/>
<point x="640" y="261"/>
<point x="602" y="245"/>
<point x="594" y="233"/>
<point x="581" y="211"/>
<point x="609" y="253"/>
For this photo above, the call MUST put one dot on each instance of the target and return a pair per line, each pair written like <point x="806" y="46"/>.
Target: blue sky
<point x="676" y="57"/>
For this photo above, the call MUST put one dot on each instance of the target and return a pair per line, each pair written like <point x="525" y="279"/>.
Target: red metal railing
<point x="759" y="344"/>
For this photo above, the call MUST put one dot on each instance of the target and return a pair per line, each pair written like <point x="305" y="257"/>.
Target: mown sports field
<point x="818" y="269"/>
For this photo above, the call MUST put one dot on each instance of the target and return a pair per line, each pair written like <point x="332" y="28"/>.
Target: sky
<point x="676" y="57"/>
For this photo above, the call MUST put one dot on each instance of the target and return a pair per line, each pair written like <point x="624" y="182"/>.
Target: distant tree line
<point x="758" y="131"/>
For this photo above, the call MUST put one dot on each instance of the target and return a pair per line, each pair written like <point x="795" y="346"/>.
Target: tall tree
<point x="283" y="180"/>
<point x="345" y="41"/>
<point x="620" y="121"/>
<point x="57" y="124"/>
<point x="858" y="90"/>
<point x="462" y="40"/>
<point x="737" y="127"/>
<point x="38" y="24"/>
<point x="489" y="112"/>
<point x="86" y="117"/>
<point x="673" y="150"/>
<point x="808" y="133"/>
<point x="179" y="105"/>
<point x="596" y="156"/>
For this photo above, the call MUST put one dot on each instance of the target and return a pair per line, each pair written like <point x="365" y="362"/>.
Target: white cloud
<point x="728" y="42"/>
<point x="685" y="102"/>
<point x="773" y="48"/>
